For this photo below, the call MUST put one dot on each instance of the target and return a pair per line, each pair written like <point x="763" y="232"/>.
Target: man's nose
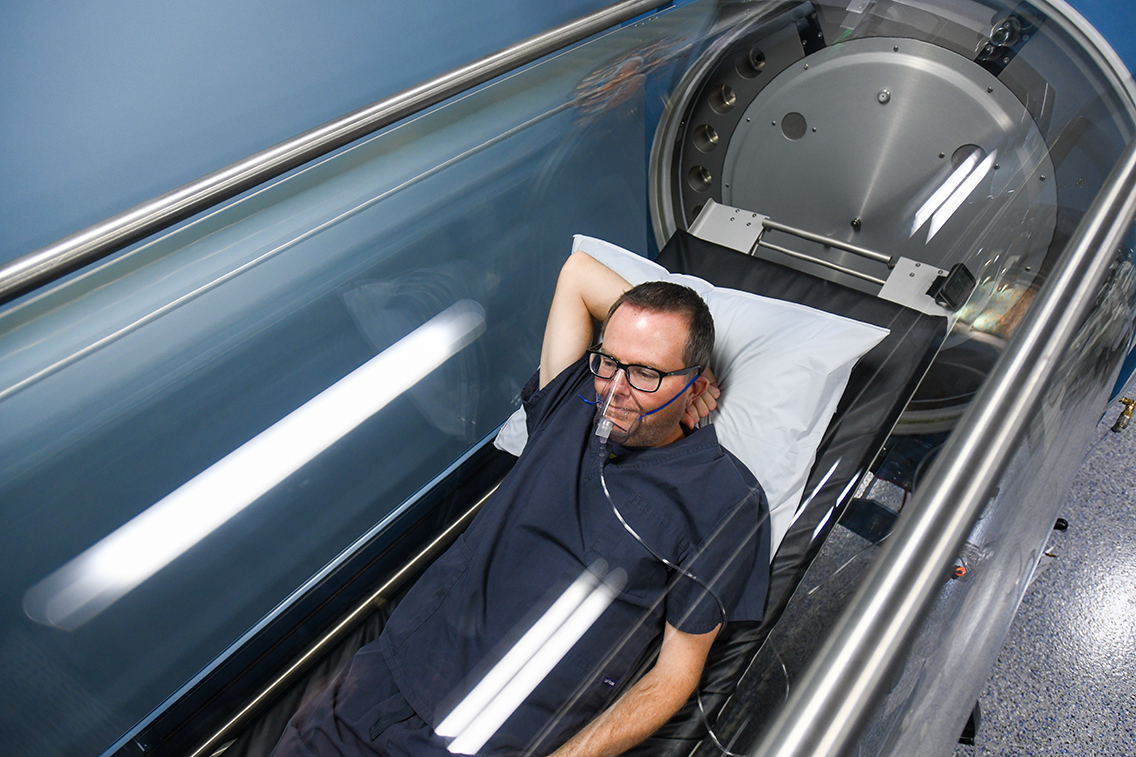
<point x="620" y="384"/>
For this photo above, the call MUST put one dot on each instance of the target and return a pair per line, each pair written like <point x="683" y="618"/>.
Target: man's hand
<point x="584" y="293"/>
<point x="649" y="703"/>
<point x="704" y="403"/>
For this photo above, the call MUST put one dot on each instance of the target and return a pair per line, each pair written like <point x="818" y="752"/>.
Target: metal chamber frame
<point x="1039" y="374"/>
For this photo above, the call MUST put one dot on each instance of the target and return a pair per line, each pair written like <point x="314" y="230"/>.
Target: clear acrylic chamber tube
<point x="137" y="382"/>
<point x="200" y="429"/>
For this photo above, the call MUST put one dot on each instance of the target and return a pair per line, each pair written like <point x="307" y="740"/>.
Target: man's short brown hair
<point x="668" y="297"/>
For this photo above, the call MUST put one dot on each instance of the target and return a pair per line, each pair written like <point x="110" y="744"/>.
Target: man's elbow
<point x="577" y="270"/>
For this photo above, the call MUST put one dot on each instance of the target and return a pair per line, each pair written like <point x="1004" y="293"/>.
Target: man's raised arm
<point x="584" y="293"/>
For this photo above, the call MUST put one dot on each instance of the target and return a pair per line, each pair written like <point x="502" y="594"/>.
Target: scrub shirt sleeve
<point x="540" y="404"/>
<point x="733" y="561"/>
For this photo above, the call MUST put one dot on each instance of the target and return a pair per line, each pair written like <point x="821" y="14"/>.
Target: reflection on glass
<point x="478" y="716"/>
<point x="94" y="580"/>
<point x="945" y="191"/>
<point x="959" y="195"/>
<point x="143" y="380"/>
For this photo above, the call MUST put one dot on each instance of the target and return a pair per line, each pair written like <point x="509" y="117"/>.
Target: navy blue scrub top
<point x="691" y="501"/>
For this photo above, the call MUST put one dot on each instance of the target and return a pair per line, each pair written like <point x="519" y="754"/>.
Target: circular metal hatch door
<point x="896" y="145"/>
<point x="892" y="144"/>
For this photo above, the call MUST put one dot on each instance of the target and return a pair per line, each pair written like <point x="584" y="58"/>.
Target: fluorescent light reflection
<point x="958" y="197"/>
<point x="103" y="574"/>
<point x="944" y="191"/>
<point x="816" y="489"/>
<point x="478" y="716"/>
<point x="839" y="500"/>
<point x="949" y="197"/>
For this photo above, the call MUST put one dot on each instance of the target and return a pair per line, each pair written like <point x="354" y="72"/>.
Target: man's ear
<point x="693" y="412"/>
<point x="698" y="387"/>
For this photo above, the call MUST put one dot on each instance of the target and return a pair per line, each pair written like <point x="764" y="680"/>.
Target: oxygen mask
<point x="618" y="413"/>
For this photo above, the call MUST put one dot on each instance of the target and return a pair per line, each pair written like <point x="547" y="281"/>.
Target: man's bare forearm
<point x="585" y="291"/>
<point x="636" y="715"/>
<point x="649" y="703"/>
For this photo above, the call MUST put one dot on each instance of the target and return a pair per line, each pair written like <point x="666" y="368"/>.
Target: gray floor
<point x="1065" y="681"/>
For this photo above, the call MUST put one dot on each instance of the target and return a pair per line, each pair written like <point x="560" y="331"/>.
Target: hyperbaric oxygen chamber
<point x="945" y="131"/>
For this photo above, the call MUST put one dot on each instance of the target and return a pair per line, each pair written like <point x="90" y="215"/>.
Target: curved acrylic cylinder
<point x="156" y="528"/>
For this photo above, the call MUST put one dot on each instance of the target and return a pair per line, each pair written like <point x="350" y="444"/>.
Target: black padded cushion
<point x="880" y="386"/>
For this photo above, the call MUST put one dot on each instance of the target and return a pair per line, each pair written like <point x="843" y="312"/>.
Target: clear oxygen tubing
<point x="604" y="426"/>
<point x="604" y="423"/>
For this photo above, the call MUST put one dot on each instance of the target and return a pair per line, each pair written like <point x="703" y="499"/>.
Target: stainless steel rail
<point x="863" y="252"/>
<point x="849" y="676"/>
<point x="49" y="263"/>
<point x="819" y="261"/>
<point x="344" y="626"/>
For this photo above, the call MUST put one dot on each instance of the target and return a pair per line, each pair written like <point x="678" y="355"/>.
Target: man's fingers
<point x="706" y="402"/>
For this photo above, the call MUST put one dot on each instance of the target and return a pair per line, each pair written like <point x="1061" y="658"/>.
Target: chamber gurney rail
<point x="853" y="673"/>
<point x="49" y="263"/>
<point x="329" y="639"/>
<point x="820" y="261"/>
<point x="863" y="252"/>
<point x="715" y="221"/>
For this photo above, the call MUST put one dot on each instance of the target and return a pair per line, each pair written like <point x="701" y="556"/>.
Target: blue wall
<point x="106" y="105"/>
<point x="1116" y="21"/>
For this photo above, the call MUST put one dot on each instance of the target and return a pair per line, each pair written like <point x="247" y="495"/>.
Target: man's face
<point x="643" y="337"/>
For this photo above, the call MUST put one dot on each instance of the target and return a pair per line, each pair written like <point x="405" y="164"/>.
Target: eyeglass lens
<point x="640" y="377"/>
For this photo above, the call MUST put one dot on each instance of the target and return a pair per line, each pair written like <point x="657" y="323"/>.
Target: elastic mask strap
<point x="644" y="415"/>
<point x="672" y="399"/>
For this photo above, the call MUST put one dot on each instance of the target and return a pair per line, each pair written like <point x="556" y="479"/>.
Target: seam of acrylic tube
<point x="263" y="257"/>
<point x="94" y="242"/>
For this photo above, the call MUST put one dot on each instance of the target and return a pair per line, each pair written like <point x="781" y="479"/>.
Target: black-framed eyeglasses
<point x="641" y="377"/>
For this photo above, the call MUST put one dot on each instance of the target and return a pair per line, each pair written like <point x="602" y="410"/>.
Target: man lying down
<point x="517" y="639"/>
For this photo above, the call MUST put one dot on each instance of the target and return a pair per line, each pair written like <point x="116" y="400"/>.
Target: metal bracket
<point x="1005" y="42"/>
<point x="743" y="230"/>
<point x="908" y="284"/>
<point x="730" y="227"/>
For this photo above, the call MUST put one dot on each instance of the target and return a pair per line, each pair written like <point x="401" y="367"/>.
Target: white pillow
<point x="782" y="368"/>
